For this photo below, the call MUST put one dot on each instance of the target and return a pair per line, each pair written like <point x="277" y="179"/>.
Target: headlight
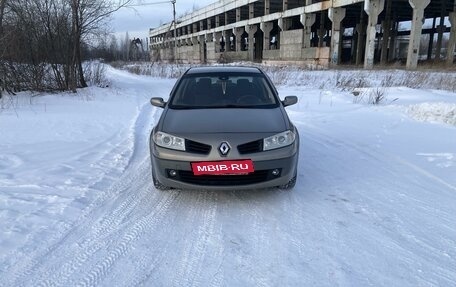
<point x="168" y="141"/>
<point x="279" y="140"/>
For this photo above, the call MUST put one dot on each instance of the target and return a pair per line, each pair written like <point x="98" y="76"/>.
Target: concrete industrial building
<point x="309" y="32"/>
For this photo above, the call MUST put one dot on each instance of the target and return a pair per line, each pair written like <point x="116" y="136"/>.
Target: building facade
<point x="309" y="32"/>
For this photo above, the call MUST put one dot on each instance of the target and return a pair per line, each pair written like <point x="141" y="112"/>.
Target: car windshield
<point x="228" y="90"/>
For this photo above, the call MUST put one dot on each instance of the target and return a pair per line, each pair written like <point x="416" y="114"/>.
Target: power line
<point x="148" y="4"/>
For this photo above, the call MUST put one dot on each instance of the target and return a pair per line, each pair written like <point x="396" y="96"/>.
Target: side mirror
<point x="290" y="100"/>
<point x="158" y="102"/>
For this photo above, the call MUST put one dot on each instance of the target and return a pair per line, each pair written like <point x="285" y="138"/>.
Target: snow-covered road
<point x="374" y="205"/>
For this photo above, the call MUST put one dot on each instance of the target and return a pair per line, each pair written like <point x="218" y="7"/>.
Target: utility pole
<point x="175" y="29"/>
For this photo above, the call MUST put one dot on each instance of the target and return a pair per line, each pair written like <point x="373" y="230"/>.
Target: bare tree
<point x="2" y="9"/>
<point x="87" y="18"/>
<point x="41" y="40"/>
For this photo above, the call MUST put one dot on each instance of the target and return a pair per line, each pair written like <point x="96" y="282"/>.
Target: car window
<point x="229" y="90"/>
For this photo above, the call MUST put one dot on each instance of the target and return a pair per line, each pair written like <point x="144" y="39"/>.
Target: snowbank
<point x="434" y="112"/>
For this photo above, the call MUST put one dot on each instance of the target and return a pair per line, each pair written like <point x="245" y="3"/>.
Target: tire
<point x="289" y="185"/>
<point x="157" y="184"/>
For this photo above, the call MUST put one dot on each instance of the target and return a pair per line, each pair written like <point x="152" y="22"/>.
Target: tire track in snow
<point x="34" y="262"/>
<point x="378" y="156"/>
<point x="149" y="259"/>
<point x="261" y="244"/>
<point x="391" y="168"/>
<point x="24" y="267"/>
<point x="149" y="222"/>
<point x="259" y="239"/>
<point x="189" y="272"/>
<point x="86" y="239"/>
<point x="397" y="226"/>
<point x="109" y="223"/>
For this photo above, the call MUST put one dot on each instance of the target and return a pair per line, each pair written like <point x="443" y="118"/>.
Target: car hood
<point x="224" y="121"/>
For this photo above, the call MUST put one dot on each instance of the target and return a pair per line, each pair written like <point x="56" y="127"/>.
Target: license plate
<point x="228" y="167"/>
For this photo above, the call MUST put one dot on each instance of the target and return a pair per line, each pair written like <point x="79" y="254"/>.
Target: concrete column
<point x="238" y="34"/>
<point x="284" y="24"/>
<point x="336" y="15"/>
<point x="210" y="37"/>
<point x="238" y="14"/>
<point x="415" y="34"/>
<point x="321" y="31"/>
<point x="267" y="6"/>
<point x="360" y="42"/>
<point x="440" y="30"/>
<point x="201" y="25"/>
<point x="217" y="21"/>
<point x="217" y="36"/>
<point x="195" y="27"/>
<point x="226" y="19"/>
<point x="229" y="43"/>
<point x="251" y="11"/>
<point x="201" y="40"/>
<point x="431" y="40"/>
<point x="438" y="46"/>
<point x="392" y="44"/>
<point x="266" y="27"/>
<point x="386" y="28"/>
<point x="373" y="8"/>
<point x="307" y="21"/>
<point x="386" y="25"/>
<point x="225" y="40"/>
<point x="209" y="26"/>
<point x="452" y="40"/>
<point x="251" y="30"/>
<point x="284" y="5"/>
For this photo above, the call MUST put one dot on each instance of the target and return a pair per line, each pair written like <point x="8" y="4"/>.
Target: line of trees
<point x="42" y="41"/>
<point x="112" y="49"/>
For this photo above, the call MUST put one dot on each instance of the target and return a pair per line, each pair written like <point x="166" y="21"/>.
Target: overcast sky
<point x="137" y="20"/>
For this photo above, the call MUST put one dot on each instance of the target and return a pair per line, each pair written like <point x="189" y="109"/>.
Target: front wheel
<point x="158" y="185"/>
<point x="289" y="185"/>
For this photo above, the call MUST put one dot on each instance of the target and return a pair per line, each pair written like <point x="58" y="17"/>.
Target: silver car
<point x="224" y="128"/>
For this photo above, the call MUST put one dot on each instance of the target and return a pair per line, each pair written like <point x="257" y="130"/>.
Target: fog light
<point x="275" y="172"/>
<point x="172" y="173"/>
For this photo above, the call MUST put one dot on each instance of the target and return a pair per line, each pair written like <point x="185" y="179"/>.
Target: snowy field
<point x="374" y="205"/>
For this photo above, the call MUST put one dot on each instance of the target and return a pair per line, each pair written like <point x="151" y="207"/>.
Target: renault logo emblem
<point x="224" y="148"/>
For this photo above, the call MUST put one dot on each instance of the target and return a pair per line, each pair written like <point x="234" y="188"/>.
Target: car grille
<point x="196" y="147"/>
<point x="251" y="147"/>
<point x="225" y="180"/>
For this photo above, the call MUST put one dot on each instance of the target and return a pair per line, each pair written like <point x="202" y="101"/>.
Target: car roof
<point x="223" y="69"/>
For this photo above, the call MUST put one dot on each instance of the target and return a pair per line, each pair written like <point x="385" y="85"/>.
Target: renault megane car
<point x="224" y="128"/>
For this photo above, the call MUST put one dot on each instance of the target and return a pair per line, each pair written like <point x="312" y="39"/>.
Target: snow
<point x="374" y="204"/>
<point x="434" y="112"/>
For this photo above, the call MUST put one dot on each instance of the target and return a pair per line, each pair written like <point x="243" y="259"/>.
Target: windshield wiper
<point x="231" y="106"/>
<point x="185" y="107"/>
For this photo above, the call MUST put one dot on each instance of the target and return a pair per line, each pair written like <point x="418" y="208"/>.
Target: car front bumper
<point x="178" y="173"/>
